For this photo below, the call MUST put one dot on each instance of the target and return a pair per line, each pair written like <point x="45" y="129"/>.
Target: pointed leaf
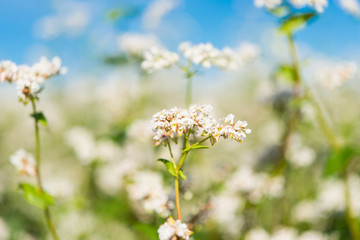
<point x="339" y="160"/>
<point x="169" y="166"/>
<point x="295" y="23"/>
<point x="182" y="174"/>
<point x="195" y="147"/>
<point x="40" y="118"/>
<point x="36" y="197"/>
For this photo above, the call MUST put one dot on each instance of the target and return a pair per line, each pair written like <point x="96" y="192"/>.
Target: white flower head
<point x="202" y="54"/>
<point x="270" y="4"/>
<point x="318" y="5"/>
<point x="158" y="58"/>
<point x="134" y="44"/>
<point x="257" y="234"/>
<point x="24" y="162"/>
<point x="333" y="77"/>
<point x="172" y="230"/>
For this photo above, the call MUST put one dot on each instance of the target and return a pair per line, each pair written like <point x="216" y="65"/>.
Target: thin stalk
<point x="350" y="216"/>
<point x="38" y="175"/>
<point x="188" y="93"/>
<point x="177" y="196"/>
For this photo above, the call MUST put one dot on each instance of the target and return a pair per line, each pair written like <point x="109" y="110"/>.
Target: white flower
<point x="312" y="235"/>
<point x="270" y="4"/>
<point x="318" y="5"/>
<point x="28" y="79"/>
<point x="157" y="58"/>
<point x="224" y="207"/>
<point x="172" y="229"/>
<point x="331" y="196"/>
<point x="350" y="6"/>
<point x="135" y="44"/>
<point x="147" y="189"/>
<point x="171" y="124"/>
<point x="284" y="233"/>
<point x="202" y="54"/>
<point x="306" y="211"/>
<point x="24" y="162"/>
<point x="257" y="234"/>
<point x="334" y="76"/>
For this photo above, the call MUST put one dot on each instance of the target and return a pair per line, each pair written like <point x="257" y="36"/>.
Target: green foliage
<point x="339" y="160"/>
<point x="169" y="166"/>
<point x="36" y="197"/>
<point x="195" y="147"/>
<point x="280" y="11"/>
<point x="182" y="174"/>
<point x="286" y="72"/>
<point x="120" y="59"/>
<point x="39" y="118"/>
<point x="147" y="230"/>
<point x="295" y="23"/>
<point x="122" y="12"/>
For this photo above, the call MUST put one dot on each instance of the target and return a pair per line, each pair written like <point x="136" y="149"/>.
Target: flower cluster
<point x="147" y="190"/>
<point x="337" y="75"/>
<point x="270" y="4"/>
<point x="170" y="124"/>
<point x="204" y="54"/>
<point x="351" y="6"/>
<point x="173" y="230"/>
<point x="134" y="44"/>
<point x="24" y="162"/>
<point x="28" y="79"/>
<point x="158" y="58"/>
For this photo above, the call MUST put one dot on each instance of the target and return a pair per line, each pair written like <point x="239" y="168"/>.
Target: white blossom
<point x="306" y="211"/>
<point x="24" y="162"/>
<point x="270" y="4"/>
<point x="202" y="54"/>
<point x="134" y="44"/>
<point x="83" y="143"/>
<point x="318" y="5"/>
<point x="284" y="233"/>
<point x="147" y="189"/>
<point x="172" y="230"/>
<point x="157" y="58"/>
<point x="171" y="124"/>
<point x="350" y="6"/>
<point x="257" y="234"/>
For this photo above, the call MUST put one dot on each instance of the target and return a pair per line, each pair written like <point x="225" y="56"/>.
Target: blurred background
<point x="98" y="155"/>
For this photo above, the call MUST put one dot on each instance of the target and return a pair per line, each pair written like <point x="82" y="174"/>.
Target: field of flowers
<point x="197" y="142"/>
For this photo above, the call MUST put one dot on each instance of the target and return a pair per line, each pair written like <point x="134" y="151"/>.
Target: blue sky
<point x="222" y="22"/>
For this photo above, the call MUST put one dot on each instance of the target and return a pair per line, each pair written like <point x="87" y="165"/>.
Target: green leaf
<point x="120" y="59"/>
<point x="169" y="166"/>
<point x="182" y="174"/>
<point x="195" y="147"/>
<point x="339" y="160"/>
<point x="39" y="118"/>
<point x="35" y="197"/>
<point x="147" y="230"/>
<point x="122" y="12"/>
<point x="295" y="23"/>
<point x="286" y="72"/>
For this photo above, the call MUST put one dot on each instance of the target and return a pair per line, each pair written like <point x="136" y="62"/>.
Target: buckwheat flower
<point x="147" y="189"/>
<point x="257" y="234"/>
<point x="247" y="52"/>
<point x="306" y="211"/>
<point x="24" y="162"/>
<point x="8" y="71"/>
<point x="201" y="54"/>
<point x="312" y="235"/>
<point x="157" y="58"/>
<point x="134" y="44"/>
<point x="285" y="233"/>
<point x="299" y="3"/>
<point x="331" y="196"/>
<point x="350" y="6"/>
<point x="173" y="230"/>
<point x="335" y="76"/>
<point x="318" y="5"/>
<point x="270" y="4"/>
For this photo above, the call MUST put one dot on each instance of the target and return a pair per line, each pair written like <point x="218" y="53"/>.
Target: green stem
<point x="177" y="196"/>
<point x="38" y="175"/>
<point x="350" y="216"/>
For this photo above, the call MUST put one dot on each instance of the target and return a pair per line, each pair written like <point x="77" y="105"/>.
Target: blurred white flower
<point x="350" y="6"/>
<point x="312" y="235"/>
<point x="157" y="58"/>
<point x="172" y="229"/>
<point x="335" y="76"/>
<point x="270" y="4"/>
<point x="299" y="155"/>
<point x="147" y="188"/>
<point x="4" y="231"/>
<point x="284" y="233"/>
<point x="24" y="162"/>
<point x="107" y="150"/>
<point x="257" y="234"/>
<point x="224" y="207"/>
<point x="318" y="5"/>
<point x="134" y="44"/>
<point x="331" y="196"/>
<point x="306" y="211"/>
<point x="202" y="54"/>
<point x="60" y="187"/>
<point x="83" y="143"/>
<point x="156" y="11"/>
<point x="140" y="130"/>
